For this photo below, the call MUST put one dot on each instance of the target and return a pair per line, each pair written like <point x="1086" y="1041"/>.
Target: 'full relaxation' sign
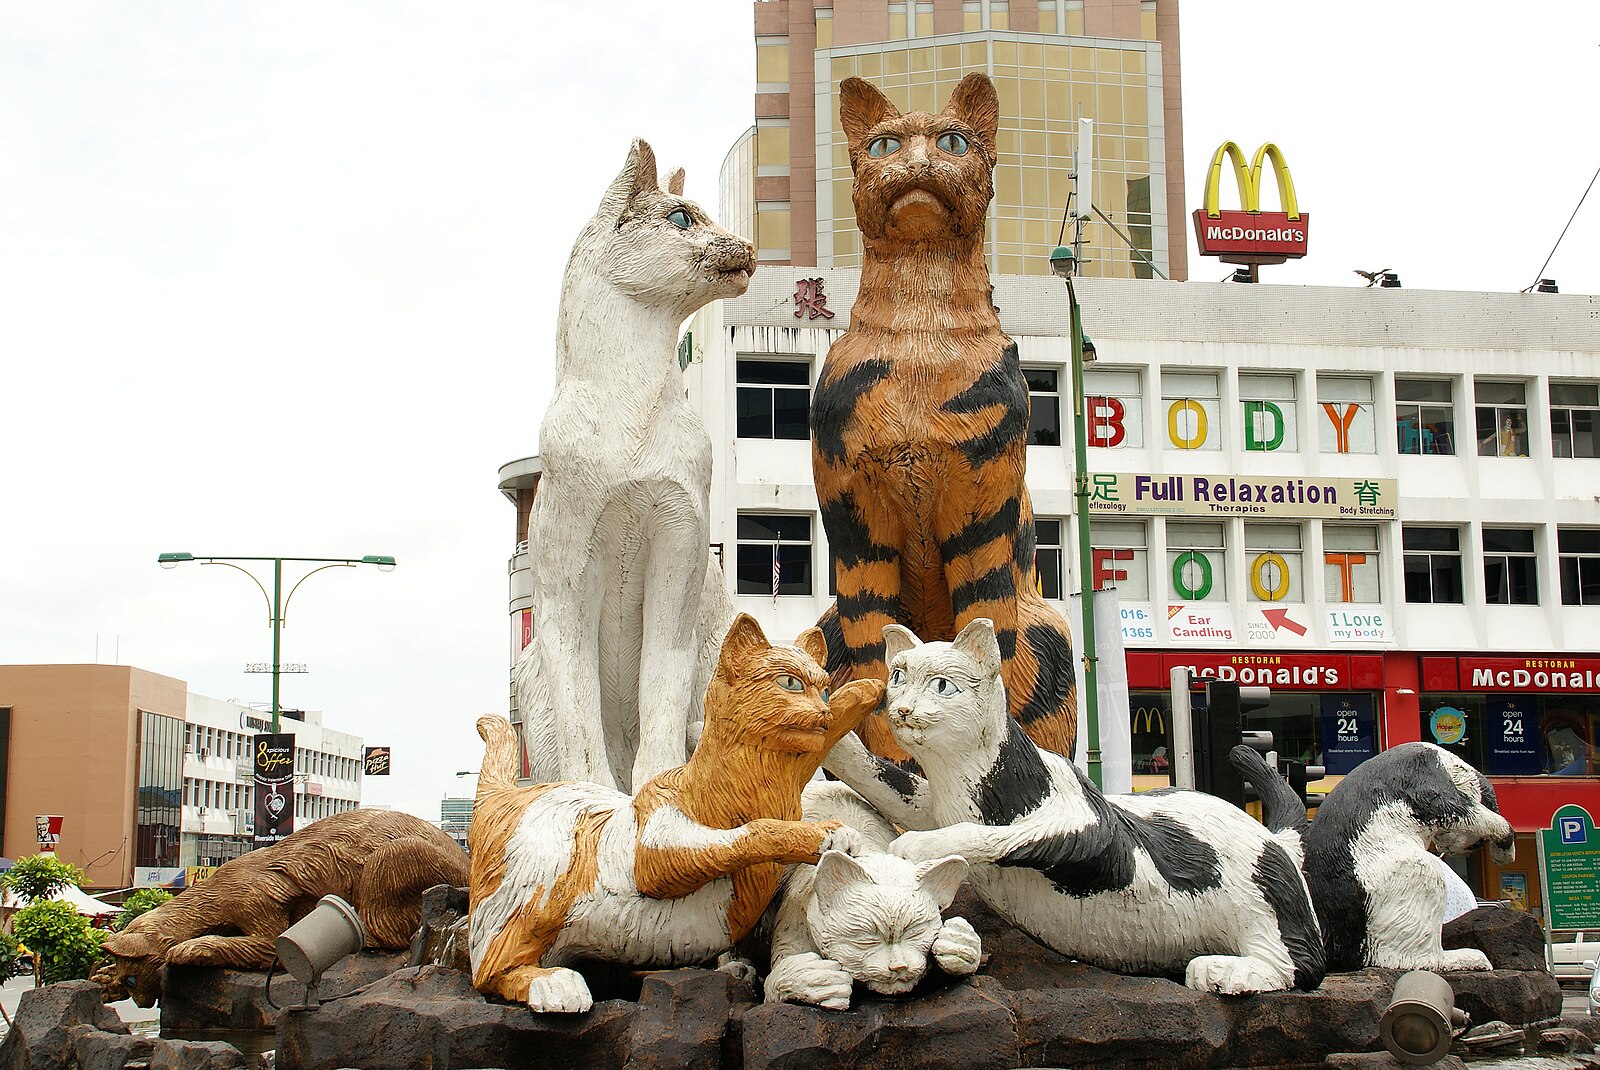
<point x="1251" y="236"/>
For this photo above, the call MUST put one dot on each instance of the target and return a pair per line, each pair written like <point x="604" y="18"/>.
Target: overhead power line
<point x="1540" y="273"/>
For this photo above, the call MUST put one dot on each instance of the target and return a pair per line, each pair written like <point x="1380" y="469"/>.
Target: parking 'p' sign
<point x="1573" y="830"/>
<point x="1569" y="863"/>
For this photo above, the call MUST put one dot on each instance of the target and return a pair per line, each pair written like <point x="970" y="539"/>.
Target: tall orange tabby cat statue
<point x="920" y="423"/>
<point x="677" y="873"/>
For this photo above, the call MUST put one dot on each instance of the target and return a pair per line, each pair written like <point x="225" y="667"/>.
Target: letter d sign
<point x="1573" y="831"/>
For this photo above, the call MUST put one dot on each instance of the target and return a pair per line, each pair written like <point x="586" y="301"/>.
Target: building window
<point x="1424" y="416"/>
<point x="1579" y="550"/>
<point x="1268" y="412"/>
<point x="1193" y="409"/>
<point x="1433" y="565"/>
<point x="1044" y="406"/>
<point x="1347" y="424"/>
<point x="1510" y="571"/>
<point x="1502" y="419"/>
<point x="1196" y="559"/>
<point x="765" y="536"/>
<point x="1113" y="409"/>
<point x="1350" y="570"/>
<point x="774" y="399"/>
<point x="1120" y="552"/>
<point x="1274" y="572"/>
<point x="1047" y="555"/>
<point x="1574" y="418"/>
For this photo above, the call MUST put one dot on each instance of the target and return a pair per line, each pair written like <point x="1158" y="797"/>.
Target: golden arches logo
<point x="1249" y="180"/>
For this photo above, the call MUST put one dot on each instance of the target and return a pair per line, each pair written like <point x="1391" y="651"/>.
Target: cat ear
<point x="744" y="639"/>
<point x="637" y="176"/>
<point x="815" y="646"/>
<point x="837" y="871"/>
<point x="942" y="877"/>
<point x="898" y="640"/>
<point x="974" y="102"/>
<point x="861" y="107"/>
<point x="675" y="182"/>
<point x="977" y="642"/>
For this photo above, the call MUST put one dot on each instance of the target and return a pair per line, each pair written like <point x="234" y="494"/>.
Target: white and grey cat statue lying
<point x="1159" y="883"/>
<point x="873" y="919"/>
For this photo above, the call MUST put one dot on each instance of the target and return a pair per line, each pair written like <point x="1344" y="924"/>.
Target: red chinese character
<point x="808" y="297"/>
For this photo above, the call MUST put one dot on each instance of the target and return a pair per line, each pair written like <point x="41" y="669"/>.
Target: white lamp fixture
<point x="331" y="931"/>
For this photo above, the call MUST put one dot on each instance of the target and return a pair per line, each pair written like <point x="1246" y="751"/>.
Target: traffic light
<point x="1221" y="730"/>
<point x="1298" y="774"/>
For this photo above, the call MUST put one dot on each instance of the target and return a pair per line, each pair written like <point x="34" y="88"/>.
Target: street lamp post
<point x="277" y="604"/>
<point x="1064" y="263"/>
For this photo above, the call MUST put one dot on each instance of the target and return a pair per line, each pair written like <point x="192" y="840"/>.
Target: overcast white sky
<point x="280" y="279"/>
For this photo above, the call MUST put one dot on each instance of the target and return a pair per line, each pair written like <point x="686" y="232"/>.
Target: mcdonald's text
<point x="1269" y="235"/>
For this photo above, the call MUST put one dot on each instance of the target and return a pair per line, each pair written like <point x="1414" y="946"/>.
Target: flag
<point x="777" y="568"/>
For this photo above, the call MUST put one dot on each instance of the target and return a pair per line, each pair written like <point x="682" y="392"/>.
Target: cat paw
<point x="1465" y="958"/>
<point x="739" y="967"/>
<point x="559" y="991"/>
<point x="957" y="949"/>
<point x="1232" y="975"/>
<point x="809" y="978"/>
<point x="844" y="839"/>
<point x="920" y="846"/>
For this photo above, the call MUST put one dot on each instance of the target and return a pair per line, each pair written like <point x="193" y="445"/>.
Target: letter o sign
<point x="1269" y="577"/>
<point x="1193" y="564"/>
<point x="1186" y="432"/>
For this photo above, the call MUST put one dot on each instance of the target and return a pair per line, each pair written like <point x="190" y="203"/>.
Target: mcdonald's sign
<point x="1251" y="236"/>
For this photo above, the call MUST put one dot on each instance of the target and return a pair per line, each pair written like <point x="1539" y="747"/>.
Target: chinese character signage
<point x="1513" y="735"/>
<point x="1569" y="858"/>
<point x="810" y="301"/>
<point x="274" y="765"/>
<point x="1349" y="735"/>
<point x="1130" y="493"/>
<point x="375" y="761"/>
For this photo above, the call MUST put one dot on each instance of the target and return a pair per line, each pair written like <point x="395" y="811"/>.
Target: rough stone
<point x="213" y="997"/>
<point x="196" y="1055"/>
<point x="1382" y="1060"/>
<point x="430" y="1016"/>
<point x="39" y="1037"/>
<point x="1587" y="1024"/>
<point x="95" y="1049"/>
<point x="1514" y="996"/>
<point x="1512" y="940"/>
<point x="1272" y="1028"/>
<point x="684" y="1018"/>
<point x="439" y="939"/>
<point x="964" y="1027"/>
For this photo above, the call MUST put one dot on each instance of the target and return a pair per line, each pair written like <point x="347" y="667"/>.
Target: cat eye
<point x="944" y="687"/>
<point x="953" y="143"/>
<point x="827" y="693"/>
<point x="681" y="219"/>
<point x="790" y="683"/>
<point x="897" y="678"/>
<point x="883" y="146"/>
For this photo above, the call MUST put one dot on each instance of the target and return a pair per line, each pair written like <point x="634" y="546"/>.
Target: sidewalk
<point x="11" y="995"/>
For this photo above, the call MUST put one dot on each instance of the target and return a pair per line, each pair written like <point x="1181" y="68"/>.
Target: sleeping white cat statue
<point x="1160" y="883"/>
<point x="873" y="918"/>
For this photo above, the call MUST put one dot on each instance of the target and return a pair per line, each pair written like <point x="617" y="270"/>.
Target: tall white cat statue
<point x="1165" y="883"/>
<point x="628" y="610"/>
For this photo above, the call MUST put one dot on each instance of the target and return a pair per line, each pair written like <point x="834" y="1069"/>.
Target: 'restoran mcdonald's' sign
<point x="1251" y="236"/>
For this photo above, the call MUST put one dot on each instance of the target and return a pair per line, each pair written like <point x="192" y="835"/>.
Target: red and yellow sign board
<point x="1251" y="236"/>
<point x="1152" y="670"/>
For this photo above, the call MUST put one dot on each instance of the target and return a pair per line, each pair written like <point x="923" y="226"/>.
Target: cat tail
<point x="500" y="765"/>
<point x="1282" y="810"/>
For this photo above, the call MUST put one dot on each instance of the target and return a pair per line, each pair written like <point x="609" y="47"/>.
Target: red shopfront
<point x="1327" y="707"/>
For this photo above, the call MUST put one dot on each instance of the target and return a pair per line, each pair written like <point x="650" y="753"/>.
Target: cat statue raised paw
<point x="1161" y="883"/>
<point x="873" y="919"/>
<point x="679" y="872"/>
<point x="623" y="578"/>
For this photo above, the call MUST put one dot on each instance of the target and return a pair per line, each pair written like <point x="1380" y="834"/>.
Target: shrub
<point x="140" y="902"/>
<point x="66" y="945"/>
<point x="38" y="876"/>
<point x="9" y="953"/>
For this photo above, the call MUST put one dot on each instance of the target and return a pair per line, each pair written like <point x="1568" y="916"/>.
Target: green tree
<point x="145" y="899"/>
<point x="8" y="954"/>
<point x="66" y="945"/>
<point x="38" y="877"/>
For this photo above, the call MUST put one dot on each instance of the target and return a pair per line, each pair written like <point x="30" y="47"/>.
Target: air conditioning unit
<point x="204" y="754"/>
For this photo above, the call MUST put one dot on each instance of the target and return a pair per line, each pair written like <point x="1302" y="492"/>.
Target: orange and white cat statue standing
<point x="674" y="875"/>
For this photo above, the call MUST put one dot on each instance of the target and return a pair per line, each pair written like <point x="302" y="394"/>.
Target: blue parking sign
<point x="1574" y="830"/>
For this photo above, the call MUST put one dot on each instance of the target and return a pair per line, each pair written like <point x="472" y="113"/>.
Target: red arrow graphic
<point x="1279" y="618"/>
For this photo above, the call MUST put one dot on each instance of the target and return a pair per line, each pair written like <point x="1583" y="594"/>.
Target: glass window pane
<point x="754" y="417"/>
<point x="791" y="413"/>
<point x="1575" y="394"/>
<point x="1422" y="390"/>
<point x="1578" y="540"/>
<point x="1492" y="393"/>
<point x="1507" y="540"/>
<point x="1447" y="580"/>
<point x="1040" y="379"/>
<point x="1431" y="538"/>
<point x="1338" y="537"/>
<point x="1046" y="532"/>
<point x="1044" y="420"/>
<point x="787" y="372"/>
